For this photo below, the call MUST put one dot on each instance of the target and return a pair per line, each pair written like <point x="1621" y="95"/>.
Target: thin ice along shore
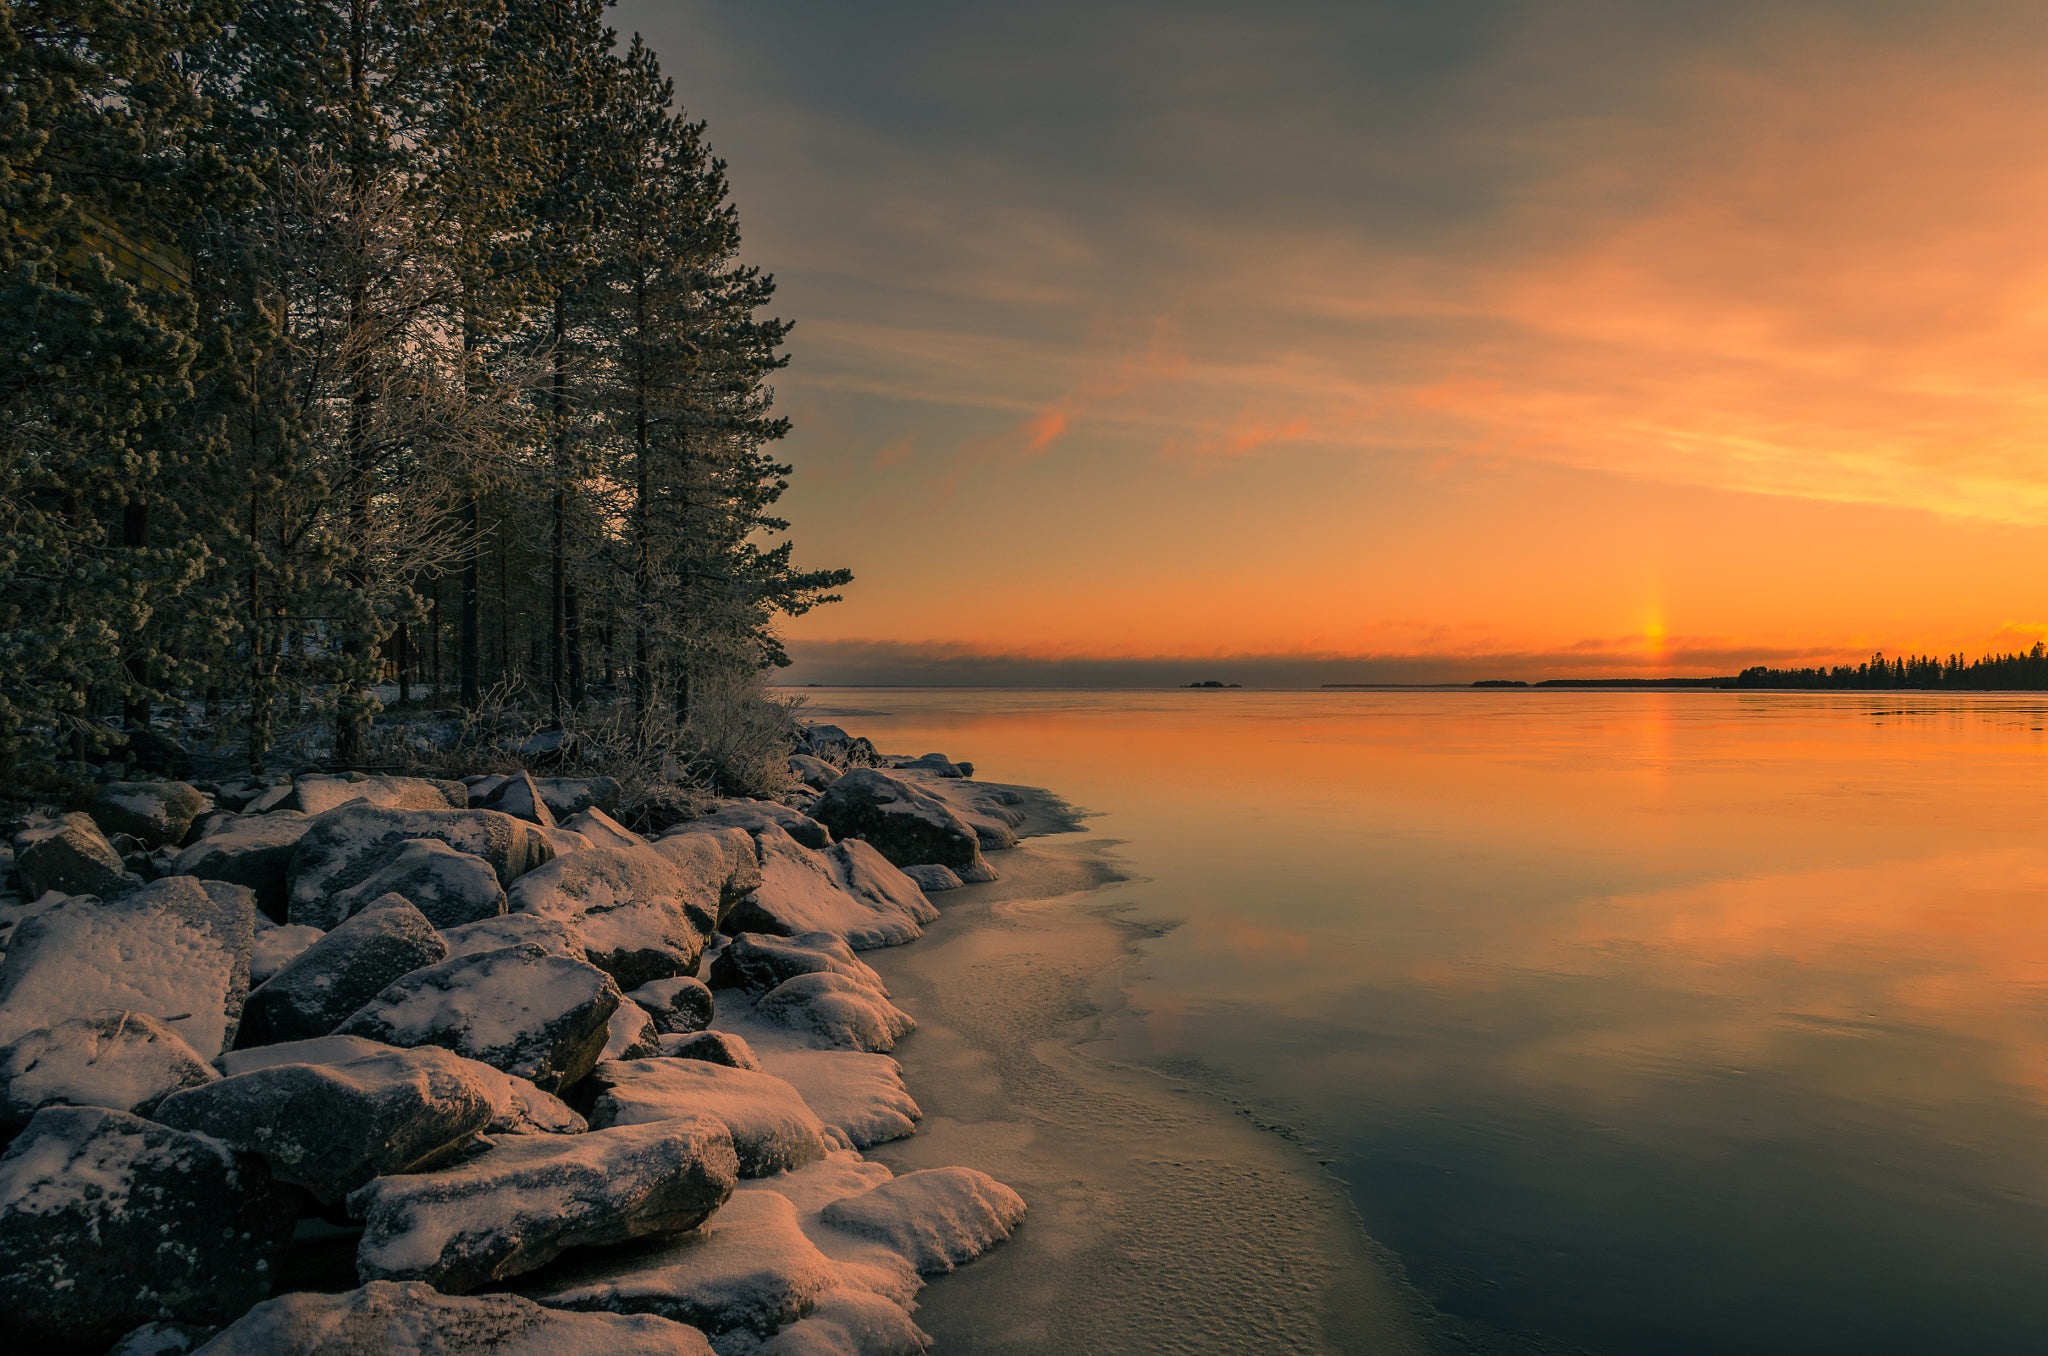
<point x="365" y="1063"/>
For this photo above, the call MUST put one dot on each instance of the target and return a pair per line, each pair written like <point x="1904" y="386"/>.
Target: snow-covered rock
<point x="156" y="813"/>
<point x="905" y="822"/>
<point x="108" y="1221"/>
<point x="937" y="1219"/>
<point x="340" y="972"/>
<point x="848" y="889"/>
<point x="835" y="1011"/>
<point x="519" y="1204"/>
<point x="518" y="1009"/>
<point x="517" y="1106"/>
<point x="754" y="815"/>
<point x="815" y="773"/>
<point x="344" y="846"/>
<point x="566" y="841"/>
<point x="851" y="1322"/>
<point x="772" y="1129"/>
<point x="713" y="1047"/>
<point x="602" y="830"/>
<point x="724" y="856"/>
<point x="551" y="935"/>
<point x="332" y="1127"/>
<point x="862" y="1096"/>
<point x="640" y="916"/>
<point x="177" y="950"/>
<point x="631" y="1034"/>
<point x="251" y="850"/>
<point x="385" y="1318"/>
<point x="934" y="764"/>
<point x="317" y="793"/>
<point x="835" y="746"/>
<point x="121" y="1060"/>
<point x="278" y="946"/>
<point x="757" y="962"/>
<point x="678" y="1005"/>
<point x="931" y="878"/>
<point x="451" y="888"/>
<point x="70" y="855"/>
<point x="519" y="795"/>
<point x="568" y="796"/>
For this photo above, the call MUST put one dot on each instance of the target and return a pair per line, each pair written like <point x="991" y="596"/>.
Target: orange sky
<point x="1581" y="338"/>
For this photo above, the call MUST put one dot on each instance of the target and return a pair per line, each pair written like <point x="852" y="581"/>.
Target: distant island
<point x="1212" y="683"/>
<point x="2026" y="672"/>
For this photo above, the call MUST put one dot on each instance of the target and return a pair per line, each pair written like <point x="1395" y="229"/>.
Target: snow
<point x="841" y="890"/>
<point x="850" y="1323"/>
<point x="125" y="1061"/>
<point x="938" y="1218"/>
<point x="602" y="830"/>
<point x="640" y="917"/>
<point x="632" y="1034"/>
<point x="835" y="1011"/>
<point x="279" y="946"/>
<point x="517" y="1106"/>
<point x="551" y="935"/>
<point x="860" y="1095"/>
<point x="772" y="1129"/>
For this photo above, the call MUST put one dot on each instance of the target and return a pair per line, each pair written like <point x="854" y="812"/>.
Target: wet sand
<point x="1161" y="1220"/>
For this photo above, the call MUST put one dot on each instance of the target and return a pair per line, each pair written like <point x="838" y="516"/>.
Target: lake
<point x="1631" y="1021"/>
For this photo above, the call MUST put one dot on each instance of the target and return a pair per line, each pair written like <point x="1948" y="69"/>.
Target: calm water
<point x="1690" y="1022"/>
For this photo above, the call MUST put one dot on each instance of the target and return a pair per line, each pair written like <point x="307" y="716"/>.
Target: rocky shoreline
<point x="370" y="1063"/>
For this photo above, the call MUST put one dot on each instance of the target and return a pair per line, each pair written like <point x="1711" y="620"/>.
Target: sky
<point x="1395" y="340"/>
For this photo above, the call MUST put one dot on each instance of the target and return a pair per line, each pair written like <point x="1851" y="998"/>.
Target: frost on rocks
<point x="121" y="1060"/>
<point x="755" y="815"/>
<point x="757" y="962"/>
<point x="815" y="773"/>
<point x="713" y="1047"/>
<point x="632" y="1034"/>
<point x="569" y="796"/>
<point x="772" y="1129"/>
<point x="386" y="1317"/>
<point x="678" y="1006"/>
<point x="933" y="878"/>
<point x="566" y="841"/>
<point x="253" y="850"/>
<point x="851" y="1322"/>
<point x="724" y="858"/>
<point x="153" y="813"/>
<point x="70" y="855"/>
<point x="937" y="1219"/>
<point x="517" y="1106"/>
<point x="175" y="950"/>
<point x="451" y="888"/>
<point x="518" y="1009"/>
<point x="906" y="823"/>
<point x="639" y="915"/>
<point x="108" y="1221"/>
<point x="847" y="890"/>
<point x="317" y="793"/>
<point x="519" y="795"/>
<point x="343" y="847"/>
<point x="860" y="1095"/>
<point x="339" y="973"/>
<point x="551" y="935"/>
<point x="332" y="1127"/>
<point x="278" y="946"/>
<point x="602" y="830"/>
<point x="834" y="1012"/>
<point x="522" y="1202"/>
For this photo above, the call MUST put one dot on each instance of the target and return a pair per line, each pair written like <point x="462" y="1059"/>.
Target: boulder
<point x="631" y="1034"/>
<point x="938" y="1218"/>
<point x="520" y="796"/>
<point x="755" y="815"/>
<point x="565" y="841"/>
<point x="862" y="1096"/>
<point x="678" y="1006"/>
<point x="70" y="855"/>
<point x="933" y="764"/>
<point x="388" y="1317"/>
<point x="156" y="813"/>
<point x="772" y="1129"/>
<point x="639" y="915"/>
<point x="551" y="935"/>
<point x="521" y="1203"/>
<point x="251" y="850"/>
<point x="344" y="846"/>
<point x="451" y="888"/>
<point x="749" y="1269"/>
<point x="848" y="890"/>
<point x="835" y="746"/>
<point x="336" y="975"/>
<point x="906" y="823"/>
<point x="836" y="1012"/>
<point x="602" y="830"/>
<point x="713" y="1047"/>
<point x="278" y="946"/>
<point x="517" y="1106"/>
<point x="757" y="962"/>
<point x="317" y="793"/>
<point x="332" y="1127"/>
<point x="176" y="950"/>
<point x="850" y="1322"/>
<point x="121" y="1060"/>
<point x="815" y="773"/>
<point x="108" y="1221"/>
<point x="725" y="857"/>
<point x="931" y="878"/>
<point x="567" y="796"/>
<point x="517" y="1009"/>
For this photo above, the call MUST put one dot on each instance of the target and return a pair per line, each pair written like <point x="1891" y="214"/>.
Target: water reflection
<point x="1648" y="1022"/>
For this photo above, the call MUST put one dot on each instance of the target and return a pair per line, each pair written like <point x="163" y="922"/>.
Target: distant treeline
<point x="1992" y="673"/>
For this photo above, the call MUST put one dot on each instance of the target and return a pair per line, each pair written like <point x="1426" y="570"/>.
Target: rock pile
<point x="465" y="1029"/>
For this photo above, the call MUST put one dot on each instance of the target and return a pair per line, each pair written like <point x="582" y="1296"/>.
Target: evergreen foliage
<point x="1992" y="673"/>
<point x="347" y="341"/>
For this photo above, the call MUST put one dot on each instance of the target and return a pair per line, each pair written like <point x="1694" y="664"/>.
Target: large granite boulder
<point x="317" y="793"/>
<point x="835" y="1012"/>
<point x="713" y="1047"/>
<point x="640" y="916"/>
<point x="772" y="1129"/>
<point x="755" y="815"/>
<point x="70" y="855"/>
<point x="632" y="1034"/>
<point x="724" y="856"/>
<point x="154" y="813"/>
<point x="678" y="1006"/>
<point x="906" y="823"/>
<point x="850" y="1322"/>
<point x="602" y="830"/>
<point x="176" y="949"/>
<point x="339" y="973"/>
<point x="278" y="946"/>
<point x="345" y="846"/>
<point x="332" y="1127"/>
<point x="567" y="796"/>
<point x="522" y="1202"/>
<point x="518" y="1009"/>
<point x="384" y="1318"/>
<point x="835" y="746"/>
<point x="757" y="962"/>
<point x="451" y="888"/>
<point x="251" y="850"/>
<point x="518" y="795"/>
<point x="121" y="1060"/>
<point x="937" y="1219"/>
<point x="551" y="935"/>
<point x="862" y="1096"/>
<point x="815" y="773"/>
<point x="848" y="890"/>
<point x="517" y="1106"/>
<point x="108" y="1221"/>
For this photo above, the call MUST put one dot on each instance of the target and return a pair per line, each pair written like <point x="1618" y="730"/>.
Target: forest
<point x="1991" y="673"/>
<point x="361" y="349"/>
